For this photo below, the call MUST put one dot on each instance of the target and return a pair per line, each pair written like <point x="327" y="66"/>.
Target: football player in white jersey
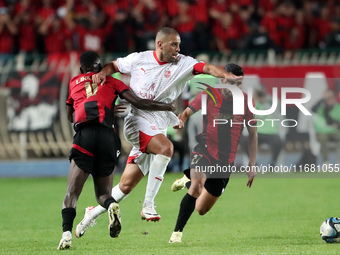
<point x="160" y="75"/>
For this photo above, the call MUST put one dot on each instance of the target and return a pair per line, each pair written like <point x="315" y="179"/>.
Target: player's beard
<point x="227" y="93"/>
<point x="168" y="57"/>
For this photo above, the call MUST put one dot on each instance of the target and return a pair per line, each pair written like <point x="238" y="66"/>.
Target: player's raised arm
<point x="107" y="70"/>
<point x="219" y="72"/>
<point x="252" y="148"/>
<point x="146" y="104"/>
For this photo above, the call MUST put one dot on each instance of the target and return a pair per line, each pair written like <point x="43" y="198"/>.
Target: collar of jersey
<point x="158" y="61"/>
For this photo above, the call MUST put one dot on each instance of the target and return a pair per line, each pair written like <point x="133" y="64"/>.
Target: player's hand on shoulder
<point x="99" y="78"/>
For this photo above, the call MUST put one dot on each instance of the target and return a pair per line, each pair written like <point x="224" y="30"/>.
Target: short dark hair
<point x="90" y="61"/>
<point x="166" y="31"/>
<point x="234" y="69"/>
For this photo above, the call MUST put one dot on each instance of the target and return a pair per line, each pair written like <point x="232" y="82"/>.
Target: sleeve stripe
<point x="192" y="108"/>
<point x="123" y="91"/>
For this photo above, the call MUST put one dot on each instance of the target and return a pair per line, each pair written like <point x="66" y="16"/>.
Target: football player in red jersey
<point x="217" y="147"/>
<point x="95" y="144"/>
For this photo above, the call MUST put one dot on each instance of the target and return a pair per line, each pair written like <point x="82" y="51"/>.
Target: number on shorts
<point x="91" y="88"/>
<point x="196" y="158"/>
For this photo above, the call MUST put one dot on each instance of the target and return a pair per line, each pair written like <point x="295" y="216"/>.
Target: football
<point x="330" y="230"/>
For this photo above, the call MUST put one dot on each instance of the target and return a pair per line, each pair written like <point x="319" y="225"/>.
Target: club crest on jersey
<point x="167" y="74"/>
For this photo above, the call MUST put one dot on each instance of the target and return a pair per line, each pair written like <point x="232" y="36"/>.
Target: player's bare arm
<point x="252" y="148"/>
<point x="183" y="117"/>
<point x="219" y="72"/>
<point x="70" y="111"/>
<point x="146" y="104"/>
<point x="107" y="70"/>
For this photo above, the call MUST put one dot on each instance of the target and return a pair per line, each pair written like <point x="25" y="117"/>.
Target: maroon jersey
<point x="222" y="140"/>
<point x="91" y="101"/>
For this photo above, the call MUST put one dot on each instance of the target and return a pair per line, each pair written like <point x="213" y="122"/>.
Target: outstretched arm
<point x="252" y="148"/>
<point x="219" y="72"/>
<point x="146" y="104"/>
<point x="107" y="70"/>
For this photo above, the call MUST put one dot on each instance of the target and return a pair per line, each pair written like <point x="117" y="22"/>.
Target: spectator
<point x="322" y="26"/>
<point x="45" y="11"/>
<point x="327" y="123"/>
<point x="184" y="23"/>
<point x="172" y="9"/>
<point x="269" y="25"/>
<point x="279" y="22"/>
<point x="265" y="6"/>
<point x="117" y="32"/>
<point x="227" y="35"/>
<point x="257" y="39"/>
<point x="202" y="26"/>
<point x="90" y="28"/>
<point x="217" y="8"/>
<point x="294" y="40"/>
<point x="21" y="6"/>
<point x="8" y="30"/>
<point x="111" y="7"/>
<point x="148" y="17"/>
<point x="25" y="22"/>
<point x="332" y="40"/>
<point x="57" y="39"/>
<point x="285" y="21"/>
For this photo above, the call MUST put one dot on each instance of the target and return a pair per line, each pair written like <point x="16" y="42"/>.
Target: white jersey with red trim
<point x="156" y="80"/>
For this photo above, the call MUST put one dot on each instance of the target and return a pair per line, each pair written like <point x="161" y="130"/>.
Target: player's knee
<point x="202" y="211"/>
<point x="195" y="188"/>
<point x="126" y="188"/>
<point x="167" y="149"/>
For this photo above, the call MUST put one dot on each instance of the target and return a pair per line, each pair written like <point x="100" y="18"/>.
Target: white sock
<point x="117" y="194"/>
<point x="67" y="233"/>
<point x="155" y="178"/>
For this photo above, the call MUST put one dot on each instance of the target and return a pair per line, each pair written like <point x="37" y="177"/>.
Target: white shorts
<point x="138" y="132"/>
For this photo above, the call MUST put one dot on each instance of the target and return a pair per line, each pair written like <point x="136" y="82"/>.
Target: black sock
<point x="188" y="184"/>
<point x="68" y="215"/>
<point x="186" y="208"/>
<point x="108" y="201"/>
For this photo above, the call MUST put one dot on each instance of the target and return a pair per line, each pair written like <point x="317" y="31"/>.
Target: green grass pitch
<point x="275" y="216"/>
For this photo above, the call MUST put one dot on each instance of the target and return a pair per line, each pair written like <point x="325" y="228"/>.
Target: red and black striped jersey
<point x="221" y="138"/>
<point x="91" y="100"/>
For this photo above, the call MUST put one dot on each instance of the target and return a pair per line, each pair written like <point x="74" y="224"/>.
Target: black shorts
<point x="216" y="181"/>
<point x="95" y="149"/>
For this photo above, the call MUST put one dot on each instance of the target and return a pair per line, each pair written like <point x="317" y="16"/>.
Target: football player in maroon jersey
<point x="95" y="144"/>
<point x="216" y="149"/>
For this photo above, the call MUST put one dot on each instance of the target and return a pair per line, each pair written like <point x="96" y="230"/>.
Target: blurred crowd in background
<point x="54" y="26"/>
